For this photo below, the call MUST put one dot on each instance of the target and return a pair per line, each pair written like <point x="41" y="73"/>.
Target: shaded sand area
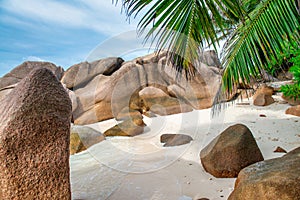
<point x="141" y="168"/>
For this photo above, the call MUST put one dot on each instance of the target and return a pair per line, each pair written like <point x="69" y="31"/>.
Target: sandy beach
<point x="141" y="168"/>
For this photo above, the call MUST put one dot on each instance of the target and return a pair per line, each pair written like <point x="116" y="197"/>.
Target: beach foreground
<point x="141" y="168"/>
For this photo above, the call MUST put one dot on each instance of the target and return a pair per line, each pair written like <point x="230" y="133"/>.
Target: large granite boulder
<point x="270" y="179"/>
<point x="34" y="139"/>
<point x="10" y="80"/>
<point x="21" y="71"/>
<point x="80" y="74"/>
<point x="226" y="155"/>
<point x="83" y="137"/>
<point x="102" y="95"/>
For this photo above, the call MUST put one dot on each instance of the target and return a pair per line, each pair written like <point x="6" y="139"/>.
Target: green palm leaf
<point x="184" y="26"/>
<point x="271" y="24"/>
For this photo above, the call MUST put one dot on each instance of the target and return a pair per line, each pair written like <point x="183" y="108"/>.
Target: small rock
<point x="242" y="104"/>
<point x="83" y="137"/>
<point x="129" y="128"/>
<point x="263" y="96"/>
<point x="265" y="89"/>
<point x="291" y="101"/>
<point x="262" y="115"/>
<point x="294" y="110"/>
<point x="279" y="150"/>
<point x="175" y="139"/>
<point x="282" y="102"/>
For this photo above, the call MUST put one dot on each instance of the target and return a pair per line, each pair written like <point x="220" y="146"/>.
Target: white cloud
<point x="125" y="45"/>
<point x="46" y="10"/>
<point x="99" y="15"/>
<point x="33" y="58"/>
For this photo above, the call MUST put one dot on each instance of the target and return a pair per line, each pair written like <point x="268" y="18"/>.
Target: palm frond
<point x="270" y="25"/>
<point x="182" y="27"/>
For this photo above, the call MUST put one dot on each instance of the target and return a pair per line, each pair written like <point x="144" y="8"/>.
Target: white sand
<point x="141" y="168"/>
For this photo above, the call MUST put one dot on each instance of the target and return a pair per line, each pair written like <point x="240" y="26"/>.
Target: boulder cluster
<point x="234" y="153"/>
<point x="40" y="100"/>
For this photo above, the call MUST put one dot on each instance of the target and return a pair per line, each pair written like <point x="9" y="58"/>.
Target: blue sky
<point x="60" y="31"/>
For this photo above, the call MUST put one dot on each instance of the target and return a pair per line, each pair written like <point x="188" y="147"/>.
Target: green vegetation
<point x="284" y="62"/>
<point x="257" y="32"/>
<point x="293" y="91"/>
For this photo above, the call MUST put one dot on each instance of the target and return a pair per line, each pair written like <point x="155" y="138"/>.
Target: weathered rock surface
<point x="21" y="71"/>
<point x="285" y="75"/>
<point x="128" y="113"/>
<point x="226" y="155"/>
<point x="10" y="80"/>
<point x="80" y="74"/>
<point x="291" y="101"/>
<point x="129" y="128"/>
<point x="262" y="100"/>
<point x="294" y="110"/>
<point x="270" y="179"/>
<point x="73" y="98"/>
<point x="83" y="137"/>
<point x="34" y="139"/>
<point x="158" y="102"/>
<point x="102" y="95"/>
<point x="210" y="58"/>
<point x="263" y="96"/>
<point x="6" y="90"/>
<point x="175" y="139"/>
<point x="149" y="114"/>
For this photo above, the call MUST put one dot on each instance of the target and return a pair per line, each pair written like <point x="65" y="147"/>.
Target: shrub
<point x="293" y="90"/>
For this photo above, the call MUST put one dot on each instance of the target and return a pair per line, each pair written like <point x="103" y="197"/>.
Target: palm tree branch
<point x="182" y="27"/>
<point x="253" y="43"/>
